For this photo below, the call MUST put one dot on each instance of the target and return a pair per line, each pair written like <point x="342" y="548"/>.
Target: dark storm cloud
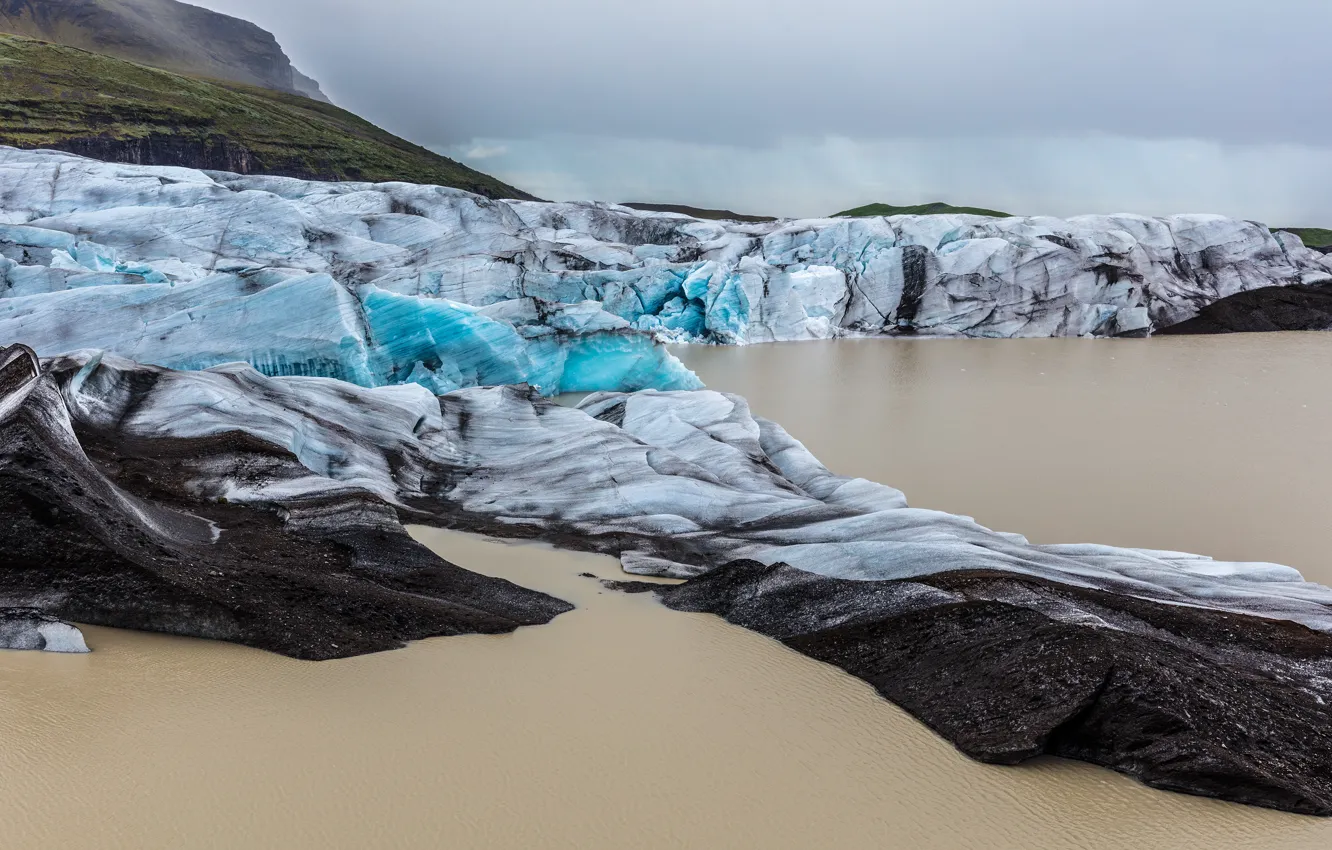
<point x="749" y="71"/>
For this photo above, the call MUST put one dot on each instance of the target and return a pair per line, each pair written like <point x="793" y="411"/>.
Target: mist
<point x="794" y="108"/>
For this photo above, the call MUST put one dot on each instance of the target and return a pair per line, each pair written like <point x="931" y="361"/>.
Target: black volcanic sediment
<point x="116" y="535"/>
<point x="1008" y="667"/>
<point x="1300" y="307"/>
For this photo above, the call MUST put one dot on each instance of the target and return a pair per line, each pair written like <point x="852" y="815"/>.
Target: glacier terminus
<point x="381" y="284"/>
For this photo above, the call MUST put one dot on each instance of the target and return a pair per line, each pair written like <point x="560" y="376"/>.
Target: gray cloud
<point x="748" y="70"/>
<point x="1283" y="185"/>
<point x="763" y="74"/>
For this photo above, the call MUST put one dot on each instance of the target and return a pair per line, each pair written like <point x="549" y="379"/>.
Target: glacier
<point x="672" y="483"/>
<point x="380" y="284"/>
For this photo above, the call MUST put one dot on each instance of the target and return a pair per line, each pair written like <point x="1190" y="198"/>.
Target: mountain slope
<point x="1313" y="237"/>
<point x="936" y="208"/>
<point x="164" y="34"/>
<point x="69" y="99"/>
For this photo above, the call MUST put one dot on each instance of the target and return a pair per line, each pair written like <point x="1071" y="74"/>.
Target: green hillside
<point x="936" y="208"/>
<point x="69" y="99"/>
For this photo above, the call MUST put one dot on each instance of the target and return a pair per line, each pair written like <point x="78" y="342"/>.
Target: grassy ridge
<point x="69" y="99"/>
<point x="937" y="208"/>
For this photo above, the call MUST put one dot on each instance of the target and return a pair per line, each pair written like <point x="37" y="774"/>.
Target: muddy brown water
<point x="625" y="725"/>
<point x="1220" y="445"/>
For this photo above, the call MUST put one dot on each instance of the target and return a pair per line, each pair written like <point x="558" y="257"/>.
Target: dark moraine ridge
<point x="108" y="531"/>
<point x="1008" y="668"/>
<point x="1301" y="307"/>
<point x="699" y="212"/>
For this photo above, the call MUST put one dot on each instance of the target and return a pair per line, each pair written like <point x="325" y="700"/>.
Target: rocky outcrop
<point x="18" y="368"/>
<point x="308" y="86"/>
<point x="216" y="152"/>
<point x="108" y="529"/>
<point x="164" y="34"/>
<point x="1284" y="308"/>
<point x="1008" y="668"/>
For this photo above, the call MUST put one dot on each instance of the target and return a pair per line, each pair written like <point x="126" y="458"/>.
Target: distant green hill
<point x="72" y="100"/>
<point x="1314" y="237"/>
<point x="936" y="208"/>
<point x="697" y="212"/>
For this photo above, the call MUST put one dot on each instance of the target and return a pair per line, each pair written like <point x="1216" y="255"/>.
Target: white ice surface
<point x="170" y="266"/>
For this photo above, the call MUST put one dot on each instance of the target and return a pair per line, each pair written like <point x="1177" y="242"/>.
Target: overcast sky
<point x="806" y="107"/>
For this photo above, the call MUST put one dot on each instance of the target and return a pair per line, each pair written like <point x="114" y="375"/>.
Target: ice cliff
<point x="390" y="283"/>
